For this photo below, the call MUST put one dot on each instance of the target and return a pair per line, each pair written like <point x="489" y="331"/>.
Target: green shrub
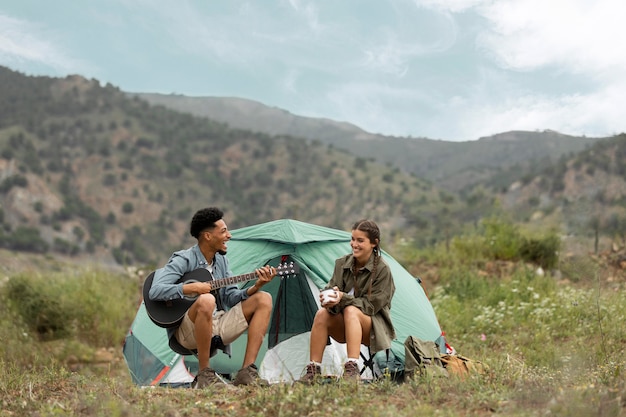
<point x="543" y="251"/>
<point x="26" y="239"/>
<point x="532" y="316"/>
<point x="468" y="249"/>
<point x="580" y="269"/>
<point x="15" y="337"/>
<point x="39" y="305"/>
<point x="90" y="306"/>
<point x="502" y="239"/>
<point x="13" y="181"/>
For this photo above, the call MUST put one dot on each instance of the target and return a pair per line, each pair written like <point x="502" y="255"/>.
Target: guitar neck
<point x="223" y="282"/>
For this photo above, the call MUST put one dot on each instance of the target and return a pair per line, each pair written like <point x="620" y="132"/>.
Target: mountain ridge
<point x="440" y="161"/>
<point x="84" y="169"/>
<point x="91" y="171"/>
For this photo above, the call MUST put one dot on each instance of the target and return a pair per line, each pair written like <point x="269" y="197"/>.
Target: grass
<point x="552" y="347"/>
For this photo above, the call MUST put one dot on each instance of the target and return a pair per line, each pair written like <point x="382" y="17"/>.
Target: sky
<point x="454" y="70"/>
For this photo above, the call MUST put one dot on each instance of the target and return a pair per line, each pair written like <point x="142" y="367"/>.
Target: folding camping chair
<point x="216" y="344"/>
<point x="368" y="363"/>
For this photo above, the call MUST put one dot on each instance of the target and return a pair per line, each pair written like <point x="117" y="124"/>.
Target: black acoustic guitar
<point x="170" y="313"/>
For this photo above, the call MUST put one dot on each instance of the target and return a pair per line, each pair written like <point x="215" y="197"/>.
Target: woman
<point x="359" y="311"/>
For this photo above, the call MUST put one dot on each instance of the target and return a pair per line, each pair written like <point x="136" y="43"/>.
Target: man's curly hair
<point x="204" y="219"/>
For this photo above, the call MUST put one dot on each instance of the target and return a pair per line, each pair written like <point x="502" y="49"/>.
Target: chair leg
<point x="368" y="362"/>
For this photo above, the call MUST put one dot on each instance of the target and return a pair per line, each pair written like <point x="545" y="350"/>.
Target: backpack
<point x="422" y="358"/>
<point x="388" y="365"/>
<point x="462" y="366"/>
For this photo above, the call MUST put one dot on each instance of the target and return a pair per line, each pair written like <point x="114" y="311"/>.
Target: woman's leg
<point x="357" y="327"/>
<point x="351" y="327"/>
<point x="324" y="324"/>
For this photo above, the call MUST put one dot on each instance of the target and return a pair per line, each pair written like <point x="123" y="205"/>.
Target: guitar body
<point x="171" y="313"/>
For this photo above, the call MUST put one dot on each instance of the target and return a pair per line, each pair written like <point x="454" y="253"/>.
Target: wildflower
<point x="483" y="337"/>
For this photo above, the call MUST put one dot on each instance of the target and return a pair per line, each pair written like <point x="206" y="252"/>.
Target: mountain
<point x="95" y="173"/>
<point x="453" y="166"/>
<point x="257" y="117"/>
<point x="582" y="195"/>
<point x="86" y="170"/>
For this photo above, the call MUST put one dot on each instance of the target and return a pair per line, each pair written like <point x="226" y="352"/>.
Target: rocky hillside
<point x="453" y="166"/>
<point x="86" y="170"/>
<point x="582" y="195"/>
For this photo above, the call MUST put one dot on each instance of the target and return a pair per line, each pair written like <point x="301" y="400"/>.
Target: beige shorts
<point x="229" y="325"/>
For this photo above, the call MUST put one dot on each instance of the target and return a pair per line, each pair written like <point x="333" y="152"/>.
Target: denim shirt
<point x="164" y="286"/>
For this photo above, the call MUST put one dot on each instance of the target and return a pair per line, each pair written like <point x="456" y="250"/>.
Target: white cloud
<point x="390" y="57"/>
<point x="361" y="66"/>
<point x="17" y="44"/>
<point x="577" y="40"/>
<point x="220" y="38"/>
<point x="23" y="44"/>
<point x="596" y="114"/>
<point x="290" y="82"/>
<point x="450" y="69"/>
<point x="309" y="13"/>
<point x="450" y="5"/>
<point x="374" y="107"/>
<point x="583" y="35"/>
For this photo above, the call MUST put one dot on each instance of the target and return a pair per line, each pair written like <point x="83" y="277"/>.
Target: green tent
<point x="285" y="350"/>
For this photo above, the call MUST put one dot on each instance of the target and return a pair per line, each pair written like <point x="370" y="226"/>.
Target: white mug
<point x="328" y="296"/>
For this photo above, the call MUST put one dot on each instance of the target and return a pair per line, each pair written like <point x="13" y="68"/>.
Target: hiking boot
<point x="205" y="378"/>
<point x="249" y="376"/>
<point x="351" y="371"/>
<point x="312" y="374"/>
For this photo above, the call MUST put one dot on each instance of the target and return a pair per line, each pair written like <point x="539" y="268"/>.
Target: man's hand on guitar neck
<point x="264" y="275"/>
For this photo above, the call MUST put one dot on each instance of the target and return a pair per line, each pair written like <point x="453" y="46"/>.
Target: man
<point x="227" y="313"/>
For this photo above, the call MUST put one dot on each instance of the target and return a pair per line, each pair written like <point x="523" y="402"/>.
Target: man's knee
<point x="205" y="305"/>
<point x="258" y="302"/>
<point x="262" y="299"/>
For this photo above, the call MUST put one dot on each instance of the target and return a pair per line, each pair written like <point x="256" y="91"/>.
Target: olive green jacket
<point x="377" y="304"/>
